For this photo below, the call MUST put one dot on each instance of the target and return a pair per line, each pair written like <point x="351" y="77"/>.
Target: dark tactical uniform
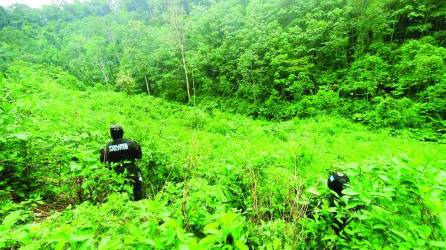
<point x="336" y="182"/>
<point x="123" y="153"/>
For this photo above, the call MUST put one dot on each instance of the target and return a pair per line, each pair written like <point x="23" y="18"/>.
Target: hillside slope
<point x="377" y="62"/>
<point x="213" y="180"/>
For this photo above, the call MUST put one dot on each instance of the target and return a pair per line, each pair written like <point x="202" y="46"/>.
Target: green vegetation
<point x="242" y="109"/>
<point x="380" y="62"/>
<point x="208" y="175"/>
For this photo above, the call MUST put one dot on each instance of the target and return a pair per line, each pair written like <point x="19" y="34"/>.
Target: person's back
<point x="122" y="153"/>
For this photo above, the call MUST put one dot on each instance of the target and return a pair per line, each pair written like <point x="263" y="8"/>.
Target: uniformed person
<point x="336" y="182"/>
<point x="122" y="154"/>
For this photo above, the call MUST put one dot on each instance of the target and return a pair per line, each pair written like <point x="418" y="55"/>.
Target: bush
<point x="434" y="103"/>
<point x="398" y="113"/>
<point x="401" y="205"/>
<point x="366" y="76"/>
<point x="126" y="83"/>
<point x="324" y="102"/>
<point x="404" y="205"/>
<point x="421" y="65"/>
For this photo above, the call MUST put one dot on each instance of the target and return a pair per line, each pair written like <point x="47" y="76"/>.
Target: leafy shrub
<point x="400" y="204"/>
<point x="405" y="205"/>
<point x="126" y="83"/>
<point x="366" y="76"/>
<point x="422" y="64"/>
<point x="197" y="120"/>
<point x="119" y="223"/>
<point x="324" y="102"/>
<point x="273" y="108"/>
<point x="434" y="103"/>
<point x="398" y="113"/>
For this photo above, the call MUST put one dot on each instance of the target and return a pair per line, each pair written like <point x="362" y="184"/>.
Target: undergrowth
<point x="213" y="180"/>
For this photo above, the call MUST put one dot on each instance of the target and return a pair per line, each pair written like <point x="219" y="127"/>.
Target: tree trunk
<point x="180" y="39"/>
<point x="183" y="59"/>
<point x="193" y="85"/>
<point x="147" y="85"/>
<point x="102" y="68"/>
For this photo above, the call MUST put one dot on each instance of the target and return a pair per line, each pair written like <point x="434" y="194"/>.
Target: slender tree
<point x="179" y="35"/>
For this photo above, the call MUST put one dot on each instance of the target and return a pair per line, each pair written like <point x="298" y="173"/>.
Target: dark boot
<point x="137" y="189"/>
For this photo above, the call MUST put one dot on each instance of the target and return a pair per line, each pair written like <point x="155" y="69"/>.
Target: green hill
<point x="212" y="179"/>
<point x="242" y="108"/>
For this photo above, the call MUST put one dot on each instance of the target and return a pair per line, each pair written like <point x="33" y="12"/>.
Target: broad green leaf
<point x="82" y="235"/>
<point x="12" y="218"/>
<point x="21" y="136"/>
<point x="440" y="244"/>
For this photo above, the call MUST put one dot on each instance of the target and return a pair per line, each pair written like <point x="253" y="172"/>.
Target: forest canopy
<point x="380" y="62"/>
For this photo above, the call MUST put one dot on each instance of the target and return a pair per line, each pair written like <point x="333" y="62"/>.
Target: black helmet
<point x="116" y="132"/>
<point x="336" y="182"/>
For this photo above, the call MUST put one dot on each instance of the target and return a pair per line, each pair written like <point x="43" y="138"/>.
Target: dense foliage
<point x="380" y="62"/>
<point x="213" y="180"/>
